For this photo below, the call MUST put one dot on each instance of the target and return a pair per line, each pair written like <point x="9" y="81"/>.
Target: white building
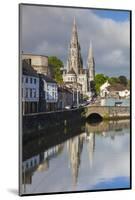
<point x="31" y="163"/>
<point x="49" y="93"/>
<point x="30" y="88"/>
<point x="124" y="93"/>
<point x="103" y="89"/>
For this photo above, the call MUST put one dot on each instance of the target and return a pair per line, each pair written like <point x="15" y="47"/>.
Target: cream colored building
<point x="38" y="62"/>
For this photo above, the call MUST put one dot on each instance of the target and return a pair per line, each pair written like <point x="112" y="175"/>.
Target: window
<point x="30" y="92"/>
<point x="27" y="165"/>
<point x="26" y="79"/>
<point x="22" y="79"/>
<point x="47" y="95"/>
<point x="34" y="93"/>
<point x="35" y="162"/>
<point x="26" y="94"/>
<point x="53" y="95"/>
<point x="30" y="80"/>
<point x="31" y="163"/>
<point x="35" y="80"/>
<point x="22" y="92"/>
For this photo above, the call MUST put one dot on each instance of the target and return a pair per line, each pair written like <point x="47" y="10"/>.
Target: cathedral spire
<point x="74" y="38"/>
<point x="90" y="54"/>
<point x="91" y="63"/>
<point x="74" y="55"/>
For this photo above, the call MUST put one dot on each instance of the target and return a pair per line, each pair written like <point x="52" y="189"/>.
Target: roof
<point x="47" y="78"/>
<point x="64" y="89"/>
<point x="71" y="71"/>
<point x="83" y="71"/>
<point x="116" y="87"/>
<point x="27" y="69"/>
<point x="32" y="54"/>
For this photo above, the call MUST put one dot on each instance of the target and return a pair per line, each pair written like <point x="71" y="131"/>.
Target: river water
<point x="97" y="157"/>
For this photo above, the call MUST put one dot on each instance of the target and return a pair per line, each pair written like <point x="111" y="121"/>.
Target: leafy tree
<point x="56" y="65"/>
<point x="123" y="80"/>
<point x="100" y="79"/>
<point x="113" y="80"/>
<point x="128" y="84"/>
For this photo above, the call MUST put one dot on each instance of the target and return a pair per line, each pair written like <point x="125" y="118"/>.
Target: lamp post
<point x="77" y="96"/>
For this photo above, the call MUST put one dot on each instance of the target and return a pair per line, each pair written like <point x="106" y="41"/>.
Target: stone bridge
<point x="107" y="112"/>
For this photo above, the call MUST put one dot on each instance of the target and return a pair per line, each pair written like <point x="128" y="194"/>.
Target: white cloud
<point x="48" y="31"/>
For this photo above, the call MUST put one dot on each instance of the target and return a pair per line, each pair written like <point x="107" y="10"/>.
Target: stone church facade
<point x="75" y="74"/>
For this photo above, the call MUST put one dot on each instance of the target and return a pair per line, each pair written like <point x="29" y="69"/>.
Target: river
<point x="96" y="157"/>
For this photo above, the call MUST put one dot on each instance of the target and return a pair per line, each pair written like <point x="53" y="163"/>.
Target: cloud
<point x="47" y="31"/>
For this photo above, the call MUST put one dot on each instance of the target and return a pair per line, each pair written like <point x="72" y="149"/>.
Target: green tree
<point x="113" y="80"/>
<point x="123" y="80"/>
<point x="128" y="84"/>
<point x="100" y="79"/>
<point x="56" y="64"/>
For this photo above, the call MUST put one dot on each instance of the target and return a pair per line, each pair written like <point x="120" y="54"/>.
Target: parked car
<point x="74" y="106"/>
<point x="68" y="107"/>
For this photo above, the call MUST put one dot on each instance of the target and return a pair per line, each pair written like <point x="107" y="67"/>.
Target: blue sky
<point x="114" y="183"/>
<point x="114" y="15"/>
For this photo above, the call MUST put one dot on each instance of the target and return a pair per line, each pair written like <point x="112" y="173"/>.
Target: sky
<point x="47" y="31"/>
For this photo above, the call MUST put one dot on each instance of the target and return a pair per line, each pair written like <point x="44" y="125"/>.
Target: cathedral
<point x="75" y="74"/>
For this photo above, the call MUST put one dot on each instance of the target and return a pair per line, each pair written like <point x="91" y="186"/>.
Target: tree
<point x="100" y="79"/>
<point x="56" y="65"/>
<point x="128" y="84"/>
<point x="123" y="80"/>
<point x="113" y="80"/>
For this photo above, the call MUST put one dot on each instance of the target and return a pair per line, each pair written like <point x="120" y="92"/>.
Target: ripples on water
<point x="96" y="158"/>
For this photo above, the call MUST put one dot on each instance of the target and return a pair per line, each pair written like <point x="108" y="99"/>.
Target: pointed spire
<point x="91" y="63"/>
<point x="90" y="54"/>
<point x="74" y="38"/>
<point x="74" y="52"/>
<point x="74" y="25"/>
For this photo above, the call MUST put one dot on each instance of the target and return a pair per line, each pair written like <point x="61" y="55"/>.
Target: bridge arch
<point x="100" y="110"/>
<point x="94" y="117"/>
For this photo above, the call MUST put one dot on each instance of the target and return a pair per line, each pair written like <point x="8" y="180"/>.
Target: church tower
<point x="91" y="64"/>
<point x="74" y="57"/>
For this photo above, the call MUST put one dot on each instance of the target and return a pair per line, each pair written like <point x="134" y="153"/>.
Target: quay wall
<point x="34" y="123"/>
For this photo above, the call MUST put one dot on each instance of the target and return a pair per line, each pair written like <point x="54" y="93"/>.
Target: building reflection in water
<point x="40" y="162"/>
<point x="91" y="147"/>
<point x="74" y="148"/>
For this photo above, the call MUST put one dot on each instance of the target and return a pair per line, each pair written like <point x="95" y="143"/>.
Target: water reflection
<point x="94" y="157"/>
